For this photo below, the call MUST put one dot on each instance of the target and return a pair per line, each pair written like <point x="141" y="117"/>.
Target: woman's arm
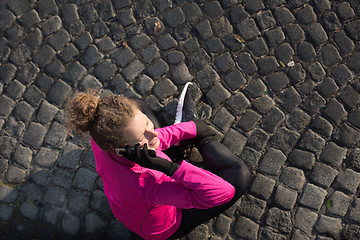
<point x="191" y="187"/>
<point x="173" y="134"/>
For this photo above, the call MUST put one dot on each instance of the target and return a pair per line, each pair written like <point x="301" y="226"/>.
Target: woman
<point x="149" y="193"/>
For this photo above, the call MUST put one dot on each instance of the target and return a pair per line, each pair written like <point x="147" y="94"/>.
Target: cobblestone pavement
<point x="278" y="79"/>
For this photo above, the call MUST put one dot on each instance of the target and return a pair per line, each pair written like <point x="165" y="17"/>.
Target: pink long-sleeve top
<point x="149" y="202"/>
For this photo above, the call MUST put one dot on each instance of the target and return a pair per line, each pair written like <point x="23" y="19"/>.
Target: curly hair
<point x="103" y="117"/>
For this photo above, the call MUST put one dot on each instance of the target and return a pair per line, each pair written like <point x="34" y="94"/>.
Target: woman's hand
<point x="142" y="157"/>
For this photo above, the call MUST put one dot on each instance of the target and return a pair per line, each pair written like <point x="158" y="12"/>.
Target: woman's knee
<point x="244" y="177"/>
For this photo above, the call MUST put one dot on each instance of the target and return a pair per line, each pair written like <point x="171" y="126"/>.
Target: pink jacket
<point x="147" y="201"/>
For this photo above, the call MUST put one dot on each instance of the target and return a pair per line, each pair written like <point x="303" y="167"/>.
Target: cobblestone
<point x="305" y="220"/>
<point x="323" y="175"/>
<point x="269" y="74"/>
<point x="245" y="228"/>
<point x="329" y="225"/>
<point x="262" y="186"/>
<point x="285" y="198"/>
<point x="252" y="207"/>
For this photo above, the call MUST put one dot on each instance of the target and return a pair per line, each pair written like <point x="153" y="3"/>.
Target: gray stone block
<point x="246" y="63"/>
<point x="248" y="29"/>
<point x="100" y="202"/>
<point x="55" y="196"/>
<point x="295" y="33"/>
<point x="322" y="126"/>
<point x="83" y="40"/>
<point x="250" y="157"/>
<point x="89" y="82"/>
<point x="8" y="194"/>
<point x="39" y="175"/>
<point x="174" y="17"/>
<point x="271" y="162"/>
<point x="7" y="145"/>
<point x="222" y="225"/>
<point x="339" y="204"/>
<point x="293" y="178"/>
<point x="34" y="135"/>
<point x="238" y="103"/>
<point x="31" y="191"/>
<point x="175" y="57"/>
<point x="252" y="207"/>
<point x="204" y="29"/>
<point x="93" y="223"/>
<point x="85" y="179"/>
<point x="223" y="119"/>
<point x="23" y="156"/>
<point x="284" y="16"/>
<point x="91" y="56"/>
<point x="207" y="77"/>
<point x="15" y="89"/>
<point x="70" y="156"/>
<point x="255" y="88"/>
<point x="59" y="93"/>
<point x="258" y="139"/>
<point x="6" y="212"/>
<point x="29" y="210"/>
<point x="105" y="70"/>
<point x="144" y="84"/>
<point x="333" y="154"/>
<point x="234" y="141"/>
<point x="327" y="87"/>
<point x="350" y="97"/>
<point x="78" y="201"/>
<point x="44" y="55"/>
<point x="344" y="43"/>
<point x="180" y="74"/>
<point x="46" y="157"/>
<point x="285" y="198"/>
<point x="59" y="39"/>
<point x="61" y="178"/>
<point x="347" y="181"/>
<point x="279" y="219"/>
<point x="273" y="120"/>
<point x="262" y="186"/>
<point x="329" y="225"/>
<point x="306" y="51"/>
<point x="245" y="228"/>
<point x="347" y="135"/>
<point x="68" y="53"/>
<point x="21" y="55"/>
<point x="267" y="64"/>
<point x="305" y="220"/>
<point x="164" y="88"/>
<point x="312" y="196"/>
<point x="56" y="135"/>
<point x="217" y="95"/>
<point x="70" y="224"/>
<point x="265" y="20"/>
<point x="74" y="72"/>
<point x="263" y="104"/>
<point x="249" y="120"/>
<point x="69" y="13"/>
<point x="354" y="212"/>
<point x="7" y="72"/>
<point x="222" y="28"/>
<point x="312" y="141"/>
<point x="224" y="62"/>
<point x="199" y="60"/>
<point x="317" y="33"/>
<point x="158" y="69"/>
<point x="100" y="29"/>
<point x="284" y="139"/>
<point x="323" y="175"/>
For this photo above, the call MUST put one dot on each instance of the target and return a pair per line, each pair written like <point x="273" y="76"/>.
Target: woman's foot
<point x="189" y="109"/>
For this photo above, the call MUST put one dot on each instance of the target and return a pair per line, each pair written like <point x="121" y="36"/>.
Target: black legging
<point x="219" y="160"/>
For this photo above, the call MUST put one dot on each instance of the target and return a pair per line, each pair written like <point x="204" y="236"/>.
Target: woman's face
<point x="141" y="130"/>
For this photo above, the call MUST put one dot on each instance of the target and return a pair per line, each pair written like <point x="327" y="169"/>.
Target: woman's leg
<point x="221" y="161"/>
